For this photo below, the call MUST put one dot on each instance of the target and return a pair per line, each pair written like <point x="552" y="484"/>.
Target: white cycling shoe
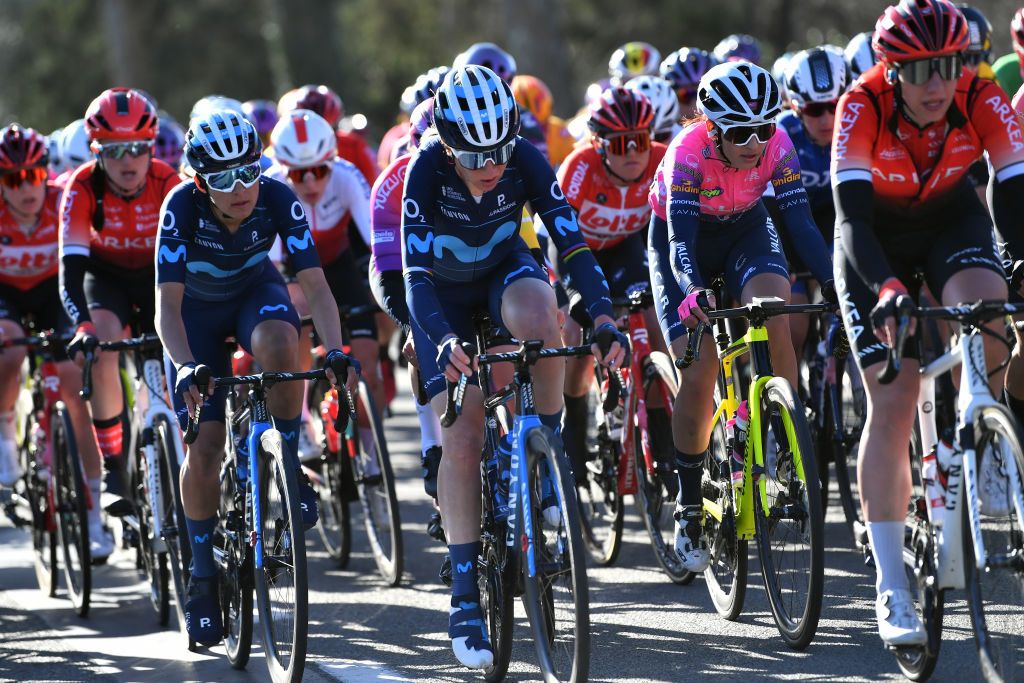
<point x="309" y="447"/>
<point x="691" y="548"/>
<point x="10" y="467"/>
<point x="101" y="542"/>
<point x="994" y="497"/>
<point x="898" y="622"/>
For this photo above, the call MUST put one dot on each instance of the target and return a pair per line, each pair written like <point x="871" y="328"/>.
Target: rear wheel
<point x="172" y="515"/>
<point x="1000" y="524"/>
<point x="497" y="583"/>
<point x="601" y="506"/>
<point x="153" y="560"/>
<point x="788" y="517"/>
<point x="234" y="561"/>
<point x="656" y="481"/>
<point x="71" y="511"/>
<point x="36" y="481"/>
<point x="335" y="527"/>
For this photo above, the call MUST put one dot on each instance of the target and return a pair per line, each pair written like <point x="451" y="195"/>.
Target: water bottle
<point x="934" y="489"/>
<point x="503" y="474"/>
<point x="736" y="428"/>
<point x="616" y="418"/>
<point x="329" y="413"/>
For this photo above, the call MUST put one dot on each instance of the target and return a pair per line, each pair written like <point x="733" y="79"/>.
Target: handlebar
<point x="89" y="350"/>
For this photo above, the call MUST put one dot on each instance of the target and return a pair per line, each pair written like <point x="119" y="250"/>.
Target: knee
<point x="533" y="320"/>
<point x="275" y="348"/>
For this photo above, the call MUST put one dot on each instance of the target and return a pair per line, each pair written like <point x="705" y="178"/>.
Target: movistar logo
<point x="167" y="255"/>
<point x="565" y="226"/>
<point x="462" y="252"/>
<point x="270" y="309"/>
<point x="295" y="244"/>
<point x="201" y="539"/>
<point x="464" y="567"/>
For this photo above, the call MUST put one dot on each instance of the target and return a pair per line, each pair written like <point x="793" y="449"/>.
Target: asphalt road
<point x="644" y="628"/>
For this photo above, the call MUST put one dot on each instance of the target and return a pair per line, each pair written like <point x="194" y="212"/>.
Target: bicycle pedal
<point x="446" y="570"/>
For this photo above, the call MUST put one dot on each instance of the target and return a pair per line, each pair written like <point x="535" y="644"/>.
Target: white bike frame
<point x="962" y="482"/>
<point x="150" y="402"/>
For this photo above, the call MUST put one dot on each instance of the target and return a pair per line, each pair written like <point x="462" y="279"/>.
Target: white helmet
<point x="474" y="110"/>
<point x="663" y="99"/>
<point x="738" y="94"/>
<point x="53" y="151"/>
<point x="211" y="103"/>
<point x="820" y="74"/>
<point x="302" y="139"/>
<point x="74" y="145"/>
<point x="859" y="54"/>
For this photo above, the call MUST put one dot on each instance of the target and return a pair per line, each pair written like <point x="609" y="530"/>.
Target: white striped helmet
<point x="474" y="110"/>
<point x="303" y="139"/>
<point x="220" y="141"/>
<point x="739" y="94"/>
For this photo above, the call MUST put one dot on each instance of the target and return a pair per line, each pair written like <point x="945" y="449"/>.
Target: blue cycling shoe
<point x="202" y="611"/>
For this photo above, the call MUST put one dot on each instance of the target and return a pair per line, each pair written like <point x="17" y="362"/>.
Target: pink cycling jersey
<point x="723" y="191"/>
<point x="386" y="216"/>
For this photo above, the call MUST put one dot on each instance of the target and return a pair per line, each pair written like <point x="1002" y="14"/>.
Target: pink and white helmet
<point x="302" y="139"/>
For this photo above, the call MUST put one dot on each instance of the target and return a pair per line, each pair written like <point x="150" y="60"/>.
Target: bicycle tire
<point x="71" y="511"/>
<point x="284" y="564"/>
<point x="997" y="634"/>
<point x="726" y="576"/>
<point x="496" y="578"/>
<point x="172" y="515"/>
<point x="797" y="499"/>
<point x="552" y="627"/>
<point x="153" y="563"/>
<point x="656" y="496"/>
<point x="44" y="536"/>
<point x="234" y="564"/>
<point x="601" y="506"/>
<point x="335" y="527"/>
<point x="381" y="516"/>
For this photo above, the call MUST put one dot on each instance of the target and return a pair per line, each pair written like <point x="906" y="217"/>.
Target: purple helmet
<point x="262" y="114"/>
<point x="170" y="141"/>
<point x="491" y="56"/>
<point x="737" y="47"/>
<point x="685" y="67"/>
<point x="421" y="119"/>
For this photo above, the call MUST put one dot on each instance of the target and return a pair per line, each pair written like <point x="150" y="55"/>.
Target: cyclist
<point x="908" y="132"/>
<point x="170" y="141"/>
<point x="814" y="80"/>
<point x="263" y="115"/>
<point x="422" y="90"/>
<point x="683" y="69"/>
<point x="54" y="165"/>
<point x="325" y="102"/>
<point x="533" y="95"/>
<point x="214" y="280"/>
<point x="464" y="195"/>
<point x="606" y="184"/>
<point x="738" y="47"/>
<point x="633" y="59"/>
<point x="978" y="55"/>
<point x="663" y="101"/>
<point x="1009" y="69"/>
<point x="709" y="219"/>
<point x="74" y="150"/>
<point x="333" y="193"/>
<point x="859" y="54"/>
<point x="108" y="225"/>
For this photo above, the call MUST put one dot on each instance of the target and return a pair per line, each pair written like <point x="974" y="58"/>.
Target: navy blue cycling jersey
<point x="814" y="162"/>
<point x="193" y="247"/>
<point x="450" y="237"/>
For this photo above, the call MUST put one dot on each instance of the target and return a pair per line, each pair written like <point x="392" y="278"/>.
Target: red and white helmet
<point x="302" y="139"/>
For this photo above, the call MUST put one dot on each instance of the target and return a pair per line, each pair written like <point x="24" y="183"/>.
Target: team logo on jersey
<point x="167" y="255"/>
<point x="556" y="191"/>
<point x="461" y="251"/>
<point x="295" y="244"/>
<point x="710" y="192"/>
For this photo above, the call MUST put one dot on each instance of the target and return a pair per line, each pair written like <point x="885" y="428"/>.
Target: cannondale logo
<point x="412" y="209"/>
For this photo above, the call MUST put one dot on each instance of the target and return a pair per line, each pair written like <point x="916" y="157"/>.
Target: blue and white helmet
<point x="211" y="103"/>
<point x="220" y="141"/>
<point x="474" y="110"/>
<point x="820" y="74"/>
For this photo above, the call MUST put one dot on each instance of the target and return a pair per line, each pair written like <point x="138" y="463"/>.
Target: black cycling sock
<point x="574" y="434"/>
<point x="1016" y="405"/>
<point x="688" y="469"/>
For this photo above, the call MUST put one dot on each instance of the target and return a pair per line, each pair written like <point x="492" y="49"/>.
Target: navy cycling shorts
<point x="746" y="246"/>
<point x="209" y="323"/>
<point x="459" y="301"/>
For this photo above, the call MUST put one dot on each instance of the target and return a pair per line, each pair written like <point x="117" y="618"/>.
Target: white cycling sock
<point x="430" y="427"/>
<point x="7" y="425"/>
<point x="886" y="540"/>
<point x="95" y="521"/>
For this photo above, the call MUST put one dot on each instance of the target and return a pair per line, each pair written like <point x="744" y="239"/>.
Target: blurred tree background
<point x="59" y="54"/>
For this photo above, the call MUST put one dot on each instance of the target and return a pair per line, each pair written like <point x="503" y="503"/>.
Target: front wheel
<point x="71" y="511"/>
<point x="172" y="515"/>
<point x="555" y="577"/>
<point x="234" y="563"/>
<point x="601" y="506"/>
<point x="788" y="517"/>
<point x="999" y="511"/>
<point x="281" y="581"/>
<point x="147" y="488"/>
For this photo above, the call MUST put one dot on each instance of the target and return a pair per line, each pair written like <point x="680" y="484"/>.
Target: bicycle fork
<point x="518" y="491"/>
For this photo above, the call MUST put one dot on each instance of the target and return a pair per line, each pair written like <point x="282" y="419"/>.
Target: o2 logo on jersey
<point x="556" y="191"/>
<point x="411" y="208"/>
<point x="297" y="212"/>
<point x="168" y="223"/>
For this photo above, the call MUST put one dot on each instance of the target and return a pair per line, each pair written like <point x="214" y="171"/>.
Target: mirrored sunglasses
<point x="742" y="135"/>
<point x="621" y="143"/>
<point x="298" y="175"/>
<point x="224" y="181"/>
<point x="118" y="150"/>
<point x="919" y="71"/>
<point x="15" y="179"/>
<point x="471" y="161"/>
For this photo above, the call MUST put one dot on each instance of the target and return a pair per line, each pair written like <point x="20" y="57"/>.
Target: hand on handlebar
<point x="84" y="341"/>
<point x="453" y="359"/>
<point x="189" y="384"/>
<point x="884" y="315"/>
<point x="611" y="346"/>
<point x="339" y="363"/>
<point x="692" y="310"/>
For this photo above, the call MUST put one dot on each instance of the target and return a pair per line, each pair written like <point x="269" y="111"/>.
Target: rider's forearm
<point x="169" y="324"/>
<point x="1007" y="208"/>
<point x="322" y="306"/>
<point x="72" y="289"/>
<point x="854" y="201"/>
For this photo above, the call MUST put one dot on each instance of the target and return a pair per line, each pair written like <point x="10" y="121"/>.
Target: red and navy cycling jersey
<point x="214" y="264"/>
<point x="450" y="237"/>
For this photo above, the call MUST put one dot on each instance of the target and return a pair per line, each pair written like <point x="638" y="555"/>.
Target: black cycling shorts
<point x="41" y="303"/>
<point x="624" y="267"/>
<point x="349" y="289"/>
<point x="122" y="292"/>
